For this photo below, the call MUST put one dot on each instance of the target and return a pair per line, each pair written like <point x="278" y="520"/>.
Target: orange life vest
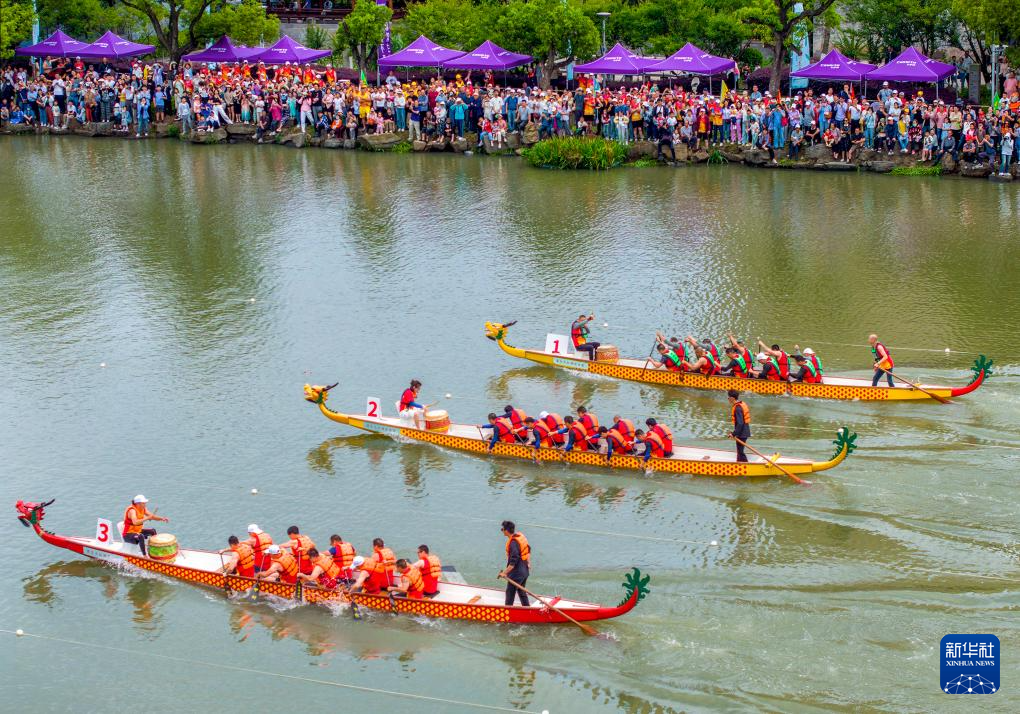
<point x="262" y="541"/>
<point x="139" y="512"/>
<point x="590" y="421"/>
<point x="522" y="542"/>
<point x="666" y="435"/>
<point x="504" y="429"/>
<point x="543" y="434"/>
<point x="744" y="408"/>
<point x="625" y="427"/>
<point x="620" y="444"/>
<point x="377" y="578"/>
<point x="415" y="582"/>
<point x="389" y="562"/>
<point x="245" y="559"/>
<point x="301" y="549"/>
<point x="654" y="442"/>
<point x="329" y="568"/>
<point x="288" y="565"/>
<point x="345" y="553"/>
<point x="580" y="436"/>
<point x="433" y="569"/>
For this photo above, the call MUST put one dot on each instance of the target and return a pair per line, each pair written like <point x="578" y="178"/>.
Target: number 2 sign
<point x="372" y="408"/>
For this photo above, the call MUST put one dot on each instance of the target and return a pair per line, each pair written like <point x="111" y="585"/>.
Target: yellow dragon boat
<point x="831" y="387"/>
<point x="693" y="460"/>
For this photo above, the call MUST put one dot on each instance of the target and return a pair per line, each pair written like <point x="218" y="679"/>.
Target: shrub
<point x="917" y="171"/>
<point x="173" y="131"/>
<point x="643" y="163"/>
<point x="573" y="152"/>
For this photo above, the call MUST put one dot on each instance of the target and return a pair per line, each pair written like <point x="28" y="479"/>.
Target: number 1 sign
<point x="557" y="344"/>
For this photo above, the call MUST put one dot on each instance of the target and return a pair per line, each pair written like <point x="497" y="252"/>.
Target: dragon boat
<point x="456" y="601"/>
<point x="693" y="460"/>
<point x="831" y="386"/>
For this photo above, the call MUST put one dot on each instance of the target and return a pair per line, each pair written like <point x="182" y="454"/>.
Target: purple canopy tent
<point x="488" y="56"/>
<point x="111" y="46"/>
<point x="423" y="52"/>
<point x="694" y="60"/>
<point x="911" y="66"/>
<point x="287" y="49"/>
<point x="618" y="60"/>
<point x="836" y="67"/>
<point x="224" y="50"/>
<point x="56" y="45"/>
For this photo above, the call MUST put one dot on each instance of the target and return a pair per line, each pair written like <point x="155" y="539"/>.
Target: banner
<point x="801" y="57"/>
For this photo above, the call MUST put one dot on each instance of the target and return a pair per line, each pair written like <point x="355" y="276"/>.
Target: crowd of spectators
<point x="206" y="97"/>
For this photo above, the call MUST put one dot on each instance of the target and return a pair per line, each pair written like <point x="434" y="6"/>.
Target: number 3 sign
<point x="372" y="409"/>
<point x="104" y="531"/>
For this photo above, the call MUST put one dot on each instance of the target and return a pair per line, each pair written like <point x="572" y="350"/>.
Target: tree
<point x="895" y="24"/>
<point x="247" y="23"/>
<point x="361" y="32"/>
<point x="778" y="23"/>
<point x="986" y="23"/>
<point x="556" y="32"/>
<point x="174" y="22"/>
<point x="450" y="23"/>
<point x="15" y="26"/>
<point x="78" y="18"/>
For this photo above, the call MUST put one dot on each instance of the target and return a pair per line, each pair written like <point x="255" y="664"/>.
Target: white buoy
<point x="715" y="542"/>
<point x="102" y="364"/>
<point x="605" y="324"/>
<point x="251" y="299"/>
<point x="254" y="492"/>
<point x="948" y="350"/>
<point x="448" y="395"/>
<point x="19" y="632"/>
<point x="545" y="711"/>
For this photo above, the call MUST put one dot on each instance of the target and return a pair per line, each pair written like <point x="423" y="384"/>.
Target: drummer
<point x="134" y="522"/>
<point x="409" y="406"/>
<point x="579" y="336"/>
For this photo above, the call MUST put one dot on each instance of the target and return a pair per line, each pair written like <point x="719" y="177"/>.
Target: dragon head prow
<point x="496" y="331"/>
<point x="317" y="394"/>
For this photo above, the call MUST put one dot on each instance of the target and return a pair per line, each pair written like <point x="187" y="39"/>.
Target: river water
<point x="213" y="282"/>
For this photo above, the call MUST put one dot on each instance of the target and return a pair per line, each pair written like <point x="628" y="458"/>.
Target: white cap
<point x="808" y="351"/>
<point x="253" y="528"/>
<point x="543" y="415"/>
<point x="762" y="356"/>
<point x="139" y="499"/>
<point x="357" y="562"/>
<point x="273" y="549"/>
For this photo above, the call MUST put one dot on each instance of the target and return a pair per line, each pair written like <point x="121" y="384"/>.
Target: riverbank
<point x="641" y="153"/>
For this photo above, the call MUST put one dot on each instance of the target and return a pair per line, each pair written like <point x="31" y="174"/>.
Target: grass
<point x="404" y="147"/>
<point x="917" y="171"/>
<point x="173" y="131"/>
<point x="643" y="163"/>
<point x="573" y="152"/>
<point x="716" y="157"/>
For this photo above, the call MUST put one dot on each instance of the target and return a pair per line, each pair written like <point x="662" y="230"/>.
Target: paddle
<point x="650" y="353"/>
<point x="587" y="629"/>
<point x="916" y="386"/>
<point x="768" y="460"/>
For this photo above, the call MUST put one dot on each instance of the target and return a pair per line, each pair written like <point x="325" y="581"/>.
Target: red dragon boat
<point x="457" y="601"/>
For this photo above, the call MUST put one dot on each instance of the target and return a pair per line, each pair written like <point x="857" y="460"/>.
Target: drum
<point x="162" y="547"/>
<point x="607" y="353"/>
<point x="438" y="420"/>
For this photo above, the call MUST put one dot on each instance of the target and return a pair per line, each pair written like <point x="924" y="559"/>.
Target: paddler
<point x="282" y="566"/>
<point x="579" y="333"/>
<point x="589" y="420"/>
<point x="431" y="569"/>
<point x="812" y="358"/>
<point x="343" y="554"/>
<point x="409" y="406"/>
<point x="135" y="517"/>
<point x="704" y="362"/>
<point x="782" y="359"/>
<point x="664" y="432"/>
<point x="259" y="541"/>
<point x="371" y="575"/>
<point x="668" y="358"/>
<point x="883" y="361"/>
<point x="324" y="571"/>
<point x="516" y="417"/>
<point x="769" y="368"/>
<point x="625" y="427"/>
<point x="738" y="365"/>
<point x="241" y="560"/>
<point x="806" y="371"/>
<point x="741" y="415"/>
<point x="502" y="430"/>
<point x="412" y="584"/>
<point x="612" y="441"/>
<point x="518" y="563"/>
<point x="554" y="423"/>
<point x="385" y="556"/>
<point x="299" y="546"/>
<point x="653" y="445"/>
<point x="742" y="348"/>
<point x="577" y="435"/>
<point x="682" y="348"/>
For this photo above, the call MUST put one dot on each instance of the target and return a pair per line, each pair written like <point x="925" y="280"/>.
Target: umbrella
<point x="56" y="45"/>
<point x="111" y="46"/>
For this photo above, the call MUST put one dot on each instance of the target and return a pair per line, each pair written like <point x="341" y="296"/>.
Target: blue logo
<point x="969" y="664"/>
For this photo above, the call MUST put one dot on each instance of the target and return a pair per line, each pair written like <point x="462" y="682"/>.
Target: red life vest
<point x="516" y="417"/>
<point x="577" y="333"/>
<point x="431" y="572"/>
<point x="747" y="356"/>
<point x="879" y="355"/>
<point x="590" y="421"/>
<point x="406" y="398"/>
<point x="262" y="541"/>
<point x="811" y="375"/>
<point x="712" y="367"/>
<point x="813" y="359"/>
<point x="543" y="434"/>
<point x="672" y="362"/>
<point x="504" y="430"/>
<point x="625" y="427"/>
<point x="580" y="436"/>
<point x="654" y="441"/>
<point x="343" y="557"/>
<point x="713" y="350"/>
<point x="666" y="435"/>
<point x="618" y="441"/>
<point x="784" y="365"/>
<point x="740" y="369"/>
<point x="555" y="423"/>
<point x="771" y="369"/>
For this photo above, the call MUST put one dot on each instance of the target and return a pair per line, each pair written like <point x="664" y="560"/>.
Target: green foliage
<point x="555" y="32"/>
<point x="173" y="131"/>
<point x="634" y="581"/>
<point x="15" y="26"/>
<point x="174" y="23"/>
<point x="845" y="438"/>
<point x="573" y="152"/>
<point x="404" y="147"/>
<point x="84" y="19"/>
<point x="643" y="163"/>
<point x="779" y="24"/>
<point x="917" y="171"/>
<point x="451" y="23"/>
<point x="855" y="44"/>
<point x="361" y="32"/>
<point x="716" y="157"/>
<point x="247" y="23"/>
<point x="891" y="25"/>
<point x="315" y="37"/>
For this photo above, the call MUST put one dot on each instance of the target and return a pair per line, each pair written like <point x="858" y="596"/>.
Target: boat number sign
<point x="104" y="531"/>
<point x="372" y="407"/>
<point x="557" y="344"/>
